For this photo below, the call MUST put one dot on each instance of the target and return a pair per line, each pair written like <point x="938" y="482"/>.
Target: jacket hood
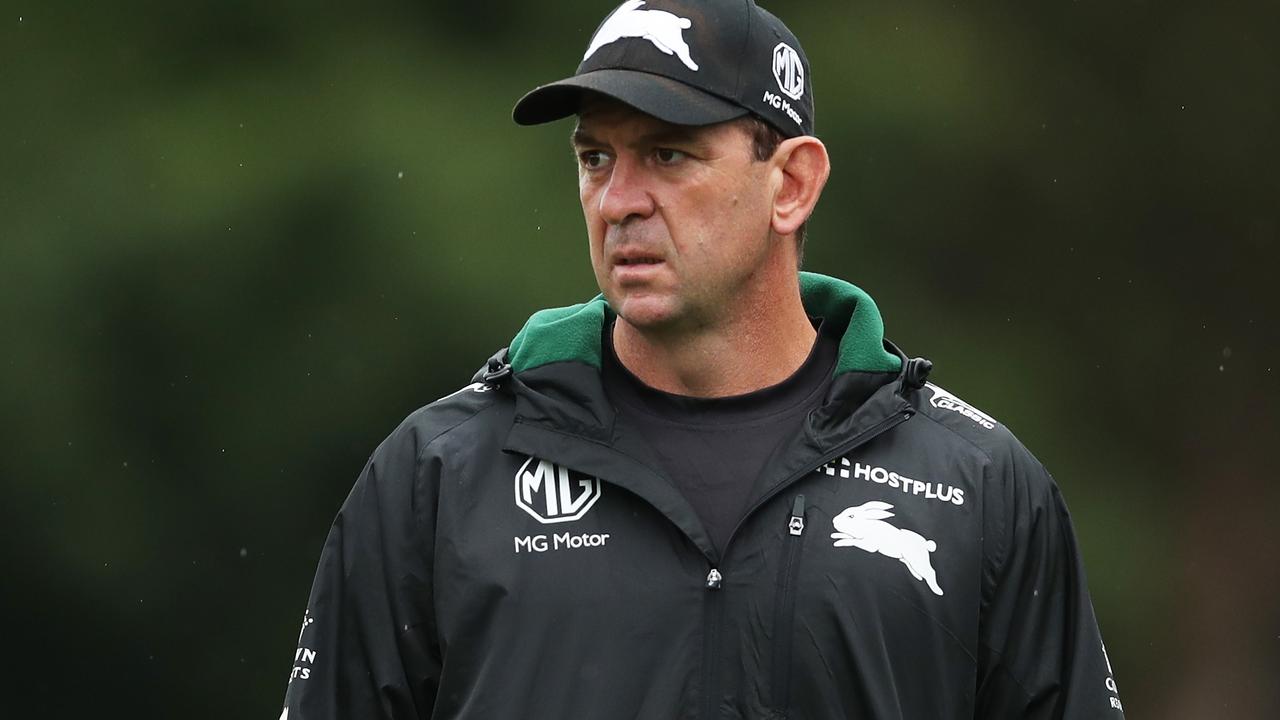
<point x="572" y="334"/>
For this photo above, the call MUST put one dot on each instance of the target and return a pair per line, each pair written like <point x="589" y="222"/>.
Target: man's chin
<point x="648" y="314"/>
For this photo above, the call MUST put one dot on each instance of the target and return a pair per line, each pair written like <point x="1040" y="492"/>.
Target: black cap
<point x="688" y="62"/>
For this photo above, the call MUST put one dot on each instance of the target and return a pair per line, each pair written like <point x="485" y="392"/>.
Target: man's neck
<point x="748" y="351"/>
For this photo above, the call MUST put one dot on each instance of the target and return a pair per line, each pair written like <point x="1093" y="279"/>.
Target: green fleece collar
<point x="572" y="334"/>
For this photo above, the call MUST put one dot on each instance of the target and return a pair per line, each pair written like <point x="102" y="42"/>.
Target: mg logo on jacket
<point x="553" y="493"/>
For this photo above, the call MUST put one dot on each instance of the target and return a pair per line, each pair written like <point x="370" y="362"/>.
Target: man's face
<point x="678" y="217"/>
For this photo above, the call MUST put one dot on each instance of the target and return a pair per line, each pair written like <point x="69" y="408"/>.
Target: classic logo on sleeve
<point x="659" y="27"/>
<point x="944" y="400"/>
<point x="864" y="527"/>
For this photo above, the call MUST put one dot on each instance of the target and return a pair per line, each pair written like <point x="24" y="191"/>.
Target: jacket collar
<point x="554" y="366"/>
<point x="572" y="334"/>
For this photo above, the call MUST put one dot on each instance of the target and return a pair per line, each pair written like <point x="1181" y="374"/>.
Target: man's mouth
<point x="638" y="261"/>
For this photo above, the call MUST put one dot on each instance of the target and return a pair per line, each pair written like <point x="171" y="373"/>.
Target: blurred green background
<point x="239" y="241"/>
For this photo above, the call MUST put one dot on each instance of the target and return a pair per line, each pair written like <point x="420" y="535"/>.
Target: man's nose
<point x="626" y="195"/>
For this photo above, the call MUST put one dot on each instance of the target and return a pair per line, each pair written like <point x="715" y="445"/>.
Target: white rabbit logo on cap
<point x="864" y="527"/>
<point x="659" y="27"/>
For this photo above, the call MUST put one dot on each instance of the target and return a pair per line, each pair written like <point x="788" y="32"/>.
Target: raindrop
<point x="1221" y="368"/>
<point x="400" y="175"/>
<point x="244" y="552"/>
<point x="1226" y="351"/>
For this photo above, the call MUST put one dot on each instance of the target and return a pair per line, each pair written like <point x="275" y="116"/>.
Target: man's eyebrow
<point x="582" y="138"/>
<point x="675" y="134"/>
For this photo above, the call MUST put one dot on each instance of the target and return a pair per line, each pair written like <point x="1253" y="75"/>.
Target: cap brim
<point x="655" y="95"/>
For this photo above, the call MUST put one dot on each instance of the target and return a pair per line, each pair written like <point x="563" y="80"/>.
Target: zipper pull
<point x="713" y="579"/>
<point x="796" y="524"/>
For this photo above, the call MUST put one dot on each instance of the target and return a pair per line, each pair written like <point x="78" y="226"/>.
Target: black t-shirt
<point x="712" y="449"/>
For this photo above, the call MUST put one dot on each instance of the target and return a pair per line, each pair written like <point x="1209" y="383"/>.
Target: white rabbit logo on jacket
<point x="864" y="527"/>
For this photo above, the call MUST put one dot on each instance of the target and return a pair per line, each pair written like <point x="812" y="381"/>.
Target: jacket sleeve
<point x="1040" y="655"/>
<point x="367" y="646"/>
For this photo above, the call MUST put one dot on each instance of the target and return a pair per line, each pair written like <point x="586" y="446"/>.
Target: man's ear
<point x="804" y="169"/>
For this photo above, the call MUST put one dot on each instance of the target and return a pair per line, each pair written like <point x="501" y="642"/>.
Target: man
<point x="715" y="491"/>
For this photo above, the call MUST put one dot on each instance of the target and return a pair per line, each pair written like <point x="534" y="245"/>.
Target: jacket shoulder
<point x="434" y="420"/>
<point x="972" y="424"/>
<point x="1010" y="462"/>
<point x="962" y="418"/>
<point x="448" y="412"/>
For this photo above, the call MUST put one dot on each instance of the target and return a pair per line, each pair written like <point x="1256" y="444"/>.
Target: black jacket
<point x="509" y="552"/>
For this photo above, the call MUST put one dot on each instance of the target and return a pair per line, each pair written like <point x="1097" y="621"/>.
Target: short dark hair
<point x="765" y="139"/>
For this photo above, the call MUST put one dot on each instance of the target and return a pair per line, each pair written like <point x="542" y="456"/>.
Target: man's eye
<point x="667" y="156"/>
<point x="593" y="159"/>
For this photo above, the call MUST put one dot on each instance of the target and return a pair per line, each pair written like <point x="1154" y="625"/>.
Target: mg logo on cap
<point x="553" y="493"/>
<point x="788" y="70"/>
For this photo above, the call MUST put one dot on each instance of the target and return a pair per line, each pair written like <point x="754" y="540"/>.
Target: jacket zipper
<point x="710" y="641"/>
<point x="714" y="581"/>
<point x="784" y="612"/>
